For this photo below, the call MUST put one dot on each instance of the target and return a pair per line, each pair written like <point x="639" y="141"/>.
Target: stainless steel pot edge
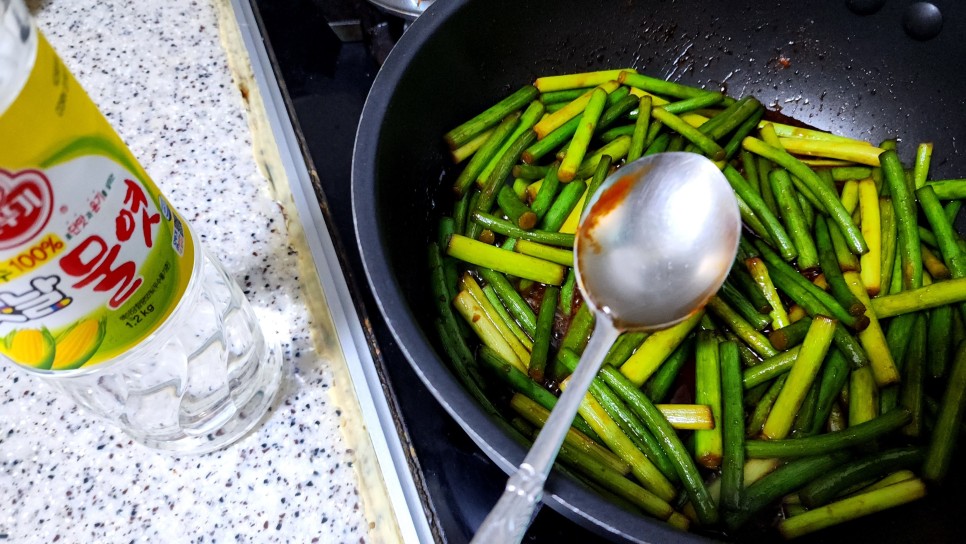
<point x="410" y="9"/>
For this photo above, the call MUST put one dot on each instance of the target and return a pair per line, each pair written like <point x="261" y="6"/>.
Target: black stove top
<point x="326" y="81"/>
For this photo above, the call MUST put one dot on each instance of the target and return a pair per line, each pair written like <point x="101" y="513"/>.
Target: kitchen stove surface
<point x="325" y="81"/>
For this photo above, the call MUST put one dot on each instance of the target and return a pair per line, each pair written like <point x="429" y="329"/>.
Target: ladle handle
<point x="510" y="517"/>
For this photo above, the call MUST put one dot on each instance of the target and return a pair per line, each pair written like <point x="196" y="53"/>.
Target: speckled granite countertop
<point x="159" y="72"/>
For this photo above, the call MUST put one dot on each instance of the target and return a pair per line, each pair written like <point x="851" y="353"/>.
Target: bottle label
<point x="93" y="259"/>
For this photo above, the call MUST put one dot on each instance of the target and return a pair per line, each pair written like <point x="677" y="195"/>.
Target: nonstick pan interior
<point x="815" y="60"/>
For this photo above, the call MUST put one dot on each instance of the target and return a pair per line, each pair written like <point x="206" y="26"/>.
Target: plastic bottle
<point x="104" y="291"/>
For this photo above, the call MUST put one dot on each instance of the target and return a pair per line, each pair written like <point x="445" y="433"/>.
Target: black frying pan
<point x="815" y="60"/>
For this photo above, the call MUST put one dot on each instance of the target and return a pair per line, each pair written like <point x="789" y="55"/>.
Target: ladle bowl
<point x="655" y="242"/>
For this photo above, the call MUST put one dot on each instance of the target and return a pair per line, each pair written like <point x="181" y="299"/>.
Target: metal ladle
<point x="655" y="242"/>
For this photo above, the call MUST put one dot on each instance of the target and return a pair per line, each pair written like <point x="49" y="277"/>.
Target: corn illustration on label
<point x="93" y="259"/>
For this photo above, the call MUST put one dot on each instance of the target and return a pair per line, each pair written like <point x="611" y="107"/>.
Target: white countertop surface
<point x="159" y="72"/>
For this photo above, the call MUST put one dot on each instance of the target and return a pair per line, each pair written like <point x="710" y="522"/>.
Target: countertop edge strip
<point x="403" y="495"/>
